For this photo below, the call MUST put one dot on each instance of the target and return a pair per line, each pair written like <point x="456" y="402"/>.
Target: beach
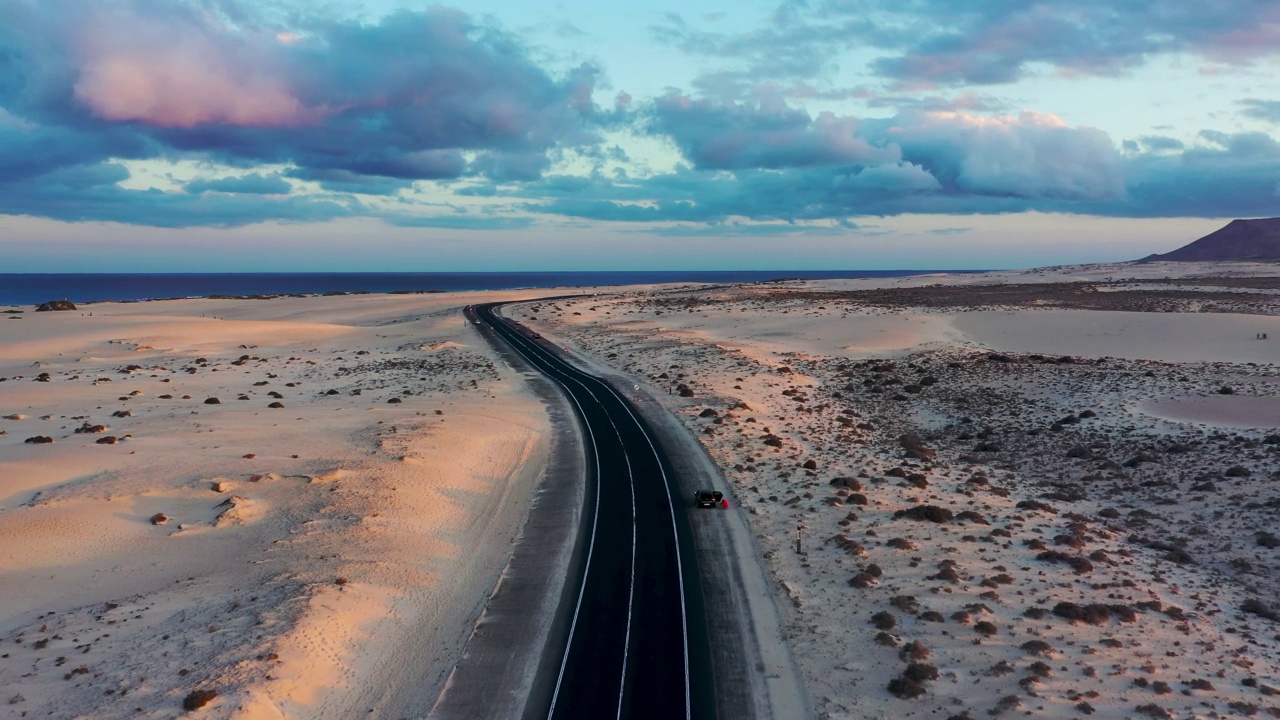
<point x="1048" y="492"/>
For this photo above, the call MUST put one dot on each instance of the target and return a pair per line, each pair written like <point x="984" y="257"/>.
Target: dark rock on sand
<point x="56" y="305"/>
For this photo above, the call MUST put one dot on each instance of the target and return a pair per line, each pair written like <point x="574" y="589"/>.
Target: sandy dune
<point x="325" y="558"/>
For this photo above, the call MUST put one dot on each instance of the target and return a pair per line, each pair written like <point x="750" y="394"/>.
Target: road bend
<point x="636" y="644"/>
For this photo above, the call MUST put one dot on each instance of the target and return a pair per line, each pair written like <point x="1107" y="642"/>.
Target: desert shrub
<point x="1007" y="703"/>
<point x="1079" y="564"/>
<point x="862" y="580"/>
<point x="920" y="672"/>
<point x="1001" y="668"/>
<point x="1200" y="684"/>
<point x="884" y="620"/>
<point x="986" y="627"/>
<point x="911" y="683"/>
<point x="905" y="688"/>
<point x="929" y="513"/>
<point x="947" y="573"/>
<point x="906" y="603"/>
<point x="1257" y="607"/>
<point x="1094" y="613"/>
<point x="914" y="650"/>
<point x="884" y="638"/>
<point x="1036" y="647"/>
<point x="847" y="482"/>
<point x="197" y="699"/>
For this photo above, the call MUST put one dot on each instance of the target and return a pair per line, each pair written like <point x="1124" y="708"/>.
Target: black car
<point x="707" y="498"/>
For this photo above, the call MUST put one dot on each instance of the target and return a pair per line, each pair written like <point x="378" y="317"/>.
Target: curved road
<point x="637" y="643"/>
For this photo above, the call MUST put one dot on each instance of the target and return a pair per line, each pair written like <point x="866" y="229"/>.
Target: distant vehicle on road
<point x="707" y="498"/>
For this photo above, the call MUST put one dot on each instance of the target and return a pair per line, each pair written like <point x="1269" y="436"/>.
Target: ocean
<point x="33" y="289"/>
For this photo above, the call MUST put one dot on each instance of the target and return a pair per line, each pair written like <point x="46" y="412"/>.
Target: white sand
<point x="1229" y="411"/>
<point x="324" y="559"/>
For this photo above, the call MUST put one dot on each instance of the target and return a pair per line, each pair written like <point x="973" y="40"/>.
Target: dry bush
<point x="929" y="513"/>
<point x="197" y="699"/>
<point x="912" y="681"/>
<point x="1079" y="564"/>
<point x="914" y="650"/>
<point x="884" y="620"/>
<point x="1257" y="607"/>
<point x="1036" y="647"/>
<point x="906" y="603"/>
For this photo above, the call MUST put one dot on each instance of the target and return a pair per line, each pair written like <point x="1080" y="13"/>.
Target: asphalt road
<point x="635" y="643"/>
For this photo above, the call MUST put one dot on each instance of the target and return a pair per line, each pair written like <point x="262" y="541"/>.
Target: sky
<point x="307" y="135"/>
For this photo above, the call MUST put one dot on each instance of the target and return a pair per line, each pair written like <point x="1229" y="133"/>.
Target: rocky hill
<point x="1239" y="240"/>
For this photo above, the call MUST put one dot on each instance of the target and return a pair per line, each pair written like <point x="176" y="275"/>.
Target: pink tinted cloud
<point x="184" y="70"/>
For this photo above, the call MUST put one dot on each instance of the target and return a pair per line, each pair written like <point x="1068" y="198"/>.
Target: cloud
<point x="715" y="135"/>
<point x="1157" y="143"/>
<point x="951" y="163"/>
<point x="1028" y="155"/>
<point x="359" y="107"/>
<point x="1031" y="155"/>
<point x="1268" y="110"/>
<point x="461" y="222"/>
<point x="982" y="42"/>
<point x="93" y="193"/>
<point x="254" y="184"/>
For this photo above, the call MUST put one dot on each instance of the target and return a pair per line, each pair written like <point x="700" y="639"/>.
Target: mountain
<point x="1239" y="240"/>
